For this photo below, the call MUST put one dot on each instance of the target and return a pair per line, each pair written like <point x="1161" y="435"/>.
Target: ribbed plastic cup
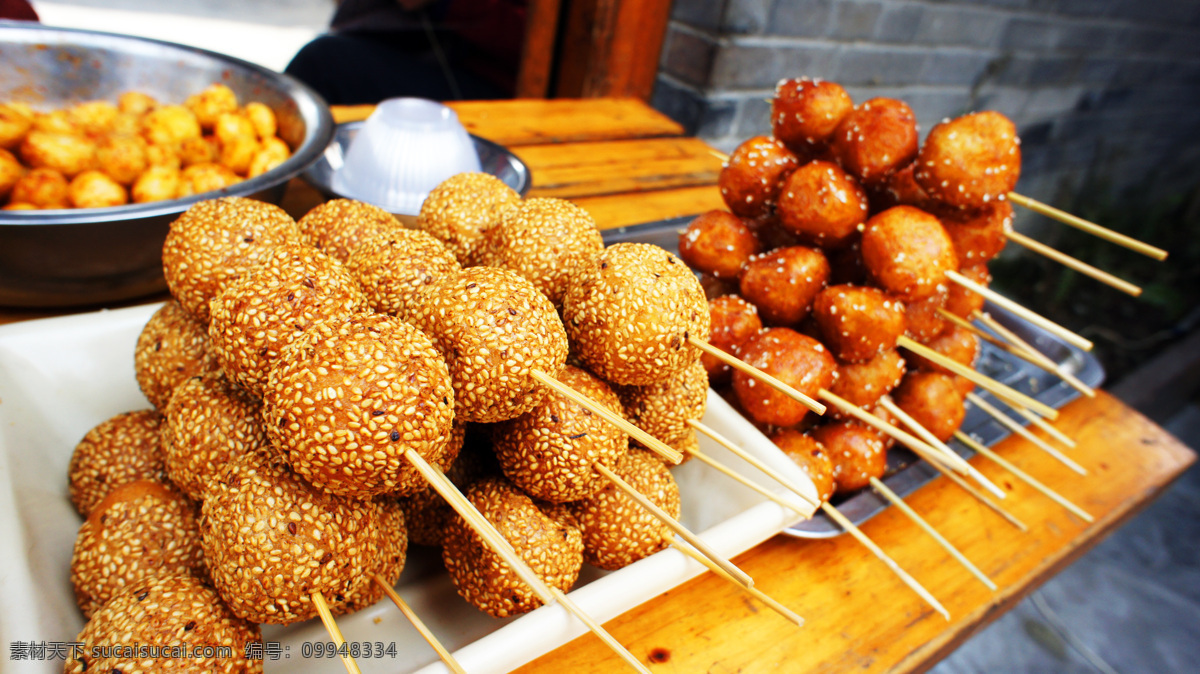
<point x="405" y="149"/>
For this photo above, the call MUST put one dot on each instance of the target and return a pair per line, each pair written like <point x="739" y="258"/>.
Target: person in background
<point x="436" y="49"/>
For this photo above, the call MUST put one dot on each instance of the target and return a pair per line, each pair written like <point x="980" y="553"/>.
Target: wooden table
<point x="627" y="164"/>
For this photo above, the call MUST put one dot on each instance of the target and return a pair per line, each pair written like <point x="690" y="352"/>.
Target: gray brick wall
<point x="1099" y="89"/>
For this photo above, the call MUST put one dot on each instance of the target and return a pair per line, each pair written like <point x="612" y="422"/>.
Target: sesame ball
<point x="272" y="540"/>
<point x="718" y="243"/>
<point x="970" y="161"/>
<point x="123" y="449"/>
<point x="208" y="422"/>
<point x="215" y="241"/>
<point x="545" y="539"/>
<point x="810" y="455"/>
<point x="933" y="400"/>
<point x="460" y="209"/>
<point x="663" y="409"/>
<point x="858" y="322"/>
<point x="795" y="359"/>
<point x="980" y="234"/>
<point x="805" y="112"/>
<point x="876" y="139"/>
<point x="863" y="383"/>
<point x="176" y="613"/>
<point x="393" y="266"/>
<point x="750" y="181"/>
<point x="493" y="328"/>
<point x="783" y="282"/>
<point x="922" y="321"/>
<point x="856" y="452"/>
<point x="255" y="316"/>
<point x="964" y="302"/>
<point x="823" y="204"/>
<point x="425" y="511"/>
<point x="340" y="226"/>
<point x="171" y="347"/>
<point x="393" y="552"/>
<point x="549" y="451"/>
<point x="348" y="399"/>
<point x="630" y="313"/>
<point x="733" y="320"/>
<point x="617" y="531"/>
<point x="141" y="529"/>
<point x="545" y="240"/>
<point x="907" y="252"/>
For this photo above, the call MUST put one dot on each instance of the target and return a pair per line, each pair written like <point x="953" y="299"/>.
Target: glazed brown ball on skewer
<point x="172" y="347"/>
<point x="733" y="320"/>
<point x="907" y="252"/>
<point x="970" y="161"/>
<point x="933" y="400"/>
<point x="798" y="360"/>
<point x="810" y="455"/>
<point x="393" y="266"/>
<point x="123" y="449"/>
<point x="338" y="227"/>
<point x="865" y="382"/>
<point x="958" y="344"/>
<point x="783" y="283"/>
<point x="875" y="139"/>
<point x="963" y="302"/>
<point x="856" y="452"/>
<point x="922" y="321"/>
<point x="718" y="243"/>
<point x="805" y="113"/>
<point x="750" y="181"/>
<point x="464" y="206"/>
<point x="858" y="322"/>
<point x="822" y="204"/>
<point x="979" y="234"/>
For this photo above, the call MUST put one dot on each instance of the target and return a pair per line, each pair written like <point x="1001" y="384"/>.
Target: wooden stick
<point x="1020" y="430"/>
<point x="649" y="441"/>
<point x="1015" y="340"/>
<point x="941" y="540"/>
<point x="742" y="366"/>
<point x="599" y="631"/>
<point x="1044" y="425"/>
<point x="673" y="524"/>
<point x="928" y="436"/>
<point x="1000" y="390"/>
<point x="719" y="155"/>
<point x="1089" y="227"/>
<point x="422" y="628"/>
<point x="335" y="633"/>
<point x="749" y="458"/>
<point x="763" y="597"/>
<point x="1022" y="475"/>
<point x="1034" y="357"/>
<point x="1073" y="263"/>
<point x="1044" y="323"/>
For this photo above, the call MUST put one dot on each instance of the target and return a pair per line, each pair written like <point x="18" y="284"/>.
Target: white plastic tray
<point x="60" y="377"/>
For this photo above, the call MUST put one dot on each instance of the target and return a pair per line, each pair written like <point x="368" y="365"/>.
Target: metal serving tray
<point x="906" y="473"/>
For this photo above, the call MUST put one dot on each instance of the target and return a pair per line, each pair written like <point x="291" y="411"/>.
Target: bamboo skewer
<point x="1036" y="319"/>
<point x="1046" y="427"/>
<point x="1000" y="390"/>
<point x="941" y="540"/>
<point x="1015" y="340"/>
<point x="787" y="613"/>
<point x="742" y="366"/>
<point x="599" y="631"/>
<point x="1073" y="263"/>
<point x="420" y="625"/>
<point x="1022" y="475"/>
<point x="1089" y="227"/>
<point x="335" y="633"/>
<point x="1013" y="426"/>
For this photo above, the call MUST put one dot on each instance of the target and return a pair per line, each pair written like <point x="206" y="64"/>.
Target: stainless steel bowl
<point x="96" y="255"/>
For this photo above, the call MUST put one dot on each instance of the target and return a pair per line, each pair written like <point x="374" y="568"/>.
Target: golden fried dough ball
<point x="94" y="189"/>
<point x="177" y="613"/>
<point x="170" y="125"/>
<point x="10" y="172"/>
<point x="979" y="235"/>
<point x="663" y="409"/>
<point x="901" y="189"/>
<point x="733" y="321"/>
<point x="933" y="400"/>
<point x="908" y="252"/>
<point x="172" y="347"/>
<point x="810" y="455"/>
<point x="140" y="530"/>
<point x="963" y="302"/>
<point x="350" y="397"/>
<point x="858" y="322"/>
<point x="797" y="360"/>
<point x="202" y="150"/>
<point x="122" y="158"/>
<point x="782" y="283"/>
<point x="461" y="208"/>
<point x="217" y="240"/>
<point x="394" y="265"/>
<point x="68" y="153"/>
<point x="425" y="511"/>
<point x="545" y="539"/>
<point x="970" y="161"/>
<point x="877" y="138"/>
<point x="263" y="119"/>
<point x="15" y="122"/>
<point x="393" y="553"/>
<point x="163" y="155"/>
<point x="93" y="118"/>
<point x="55" y="121"/>
<point x="340" y="226"/>
<point x="750" y="181"/>
<point x="119" y="450"/>
<point x="856" y="452"/>
<point x="40" y="188"/>
<point x="865" y="382"/>
<point x="922" y="321"/>
<point x="718" y="243"/>
<point x="208" y="105"/>
<point x="136" y="103"/>
<point x="156" y="183"/>
<point x="631" y="311"/>
<point x="237" y="141"/>
<point x="822" y="204"/>
<point x="201" y="178"/>
<point x="271" y="153"/>
<point x="957" y="344"/>
<point x="805" y="113"/>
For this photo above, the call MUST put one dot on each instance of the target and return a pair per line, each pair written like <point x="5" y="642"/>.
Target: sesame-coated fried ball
<point x="797" y="360"/>
<point x="907" y="252"/>
<point x="350" y="397"/>
<point x="178" y="614"/>
<point x="93" y="189"/>
<point x="922" y="321"/>
<point x="864" y="383"/>
<point x="957" y="344"/>
<point x="846" y="265"/>
<point x="271" y="540"/>
<point x="215" y="241"/>
<point x="858" y="322"/>
<point x="141" y="529"/>
<point x="822" y="204"/>
<point x="425" y="511"/>
<point x="494" y="329"/>
<point x="545" y="539"/>
<point x="617" y="531"/>
<point x="970" y="161"/>
<point x="962" y="301"/>
<point x="933" y="400"/>
<point x="630" y="313"/>
<point x="805" y="112"/>
<point x="875" y="139"/>
<point x="718" y="243"/>
<point x="901" y="189"/>
<point x="545" y="240"/>
<point x="207" y="423"/>
<point x="172" y="347"/>
<point x="461" y="208"/>
<point x="254" y="317"/>
<point x="856" y="452"/>
<point x="979" y="235"/>
<point x="733" y="320"/>
<point x="664" y="408"/>
<point x="393" y="266"/>
<point x="750" y="181"/>
<point x="549" y="451"/>
<point x="393" y="552"/>
<point x="783" y="282"/>
<point x="123" y="449"/>
<point x="340" y="226"/>
<point x="810" y="455"/>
